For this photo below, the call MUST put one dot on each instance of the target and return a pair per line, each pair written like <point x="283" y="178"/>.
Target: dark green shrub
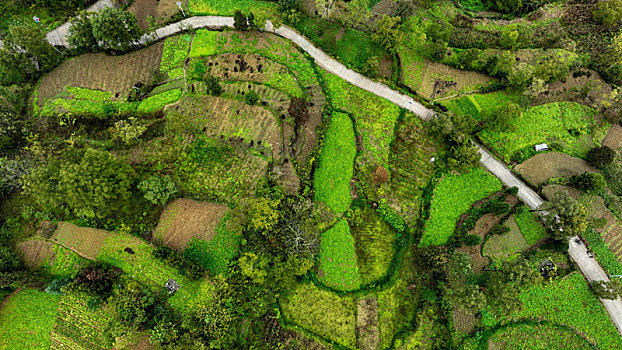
<point x="588" y="182"/>
<point x="213" y="85"/>
<point x="513" y="191"/>
<point x="499" y="230"/>
<point x="57" y="284"/>
<point x="251" y="97"/>
<point x="472" y="240"/>
<point x="600" y="157"/>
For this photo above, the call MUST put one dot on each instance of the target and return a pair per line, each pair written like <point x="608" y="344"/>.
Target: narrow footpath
<point x="588" y="266"/>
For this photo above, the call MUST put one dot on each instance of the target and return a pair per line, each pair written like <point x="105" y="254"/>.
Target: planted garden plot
<point x="551" y="165"/>
<point x="473" y="105"/>
<point x="537" y="336"/>
<point x="186" y="219"/>
<point x="272" y="99"/>
<point x="174" y="53"/>
<point x="142" y="9"/>
<point x="97" y="71"/>
<point x="550" y="191"/>
<point x="338" y="266"/>
<point x="367" y="323"/>
<point x="250" y="67"/>
<point x="507" y="245"/>
<point x="168" y="8"/>
<point x="227" y="119"/>
<point x="440" y="80"/>
<point x="77" y="326"/>
<point x="482" y="226"/>
<point x="26" y="320"/>
<point x="308" y="306"/>
<point x="529" y="226"/>
<point x="606" y="240"/>
<point x="228" y="7"/>
<point x="334" y="172"/>
<point x="453" y="196"/>
<point x="614" y="137"/>
<point x="84" y="240"/>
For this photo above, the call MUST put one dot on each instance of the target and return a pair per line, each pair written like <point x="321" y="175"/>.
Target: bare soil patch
<point x="143" y="8"/>
<point x="83" y="240"/>
<point x="614" y="137"/>
<point x="367" y="323"/>
<point x="34" y="252"/>
<point x="184" y="219"/>
<point x="586" y="87"/>
<point x="385" y="69"/>
<point x="549" y="191"/>
<point x="544" y="166"/>
<point x="168" y="8"/>
<point x="115" y="74"/>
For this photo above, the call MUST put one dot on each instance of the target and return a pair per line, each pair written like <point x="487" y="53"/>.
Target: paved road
<point x="58" y="36"/>
<point x="590" y="268"/>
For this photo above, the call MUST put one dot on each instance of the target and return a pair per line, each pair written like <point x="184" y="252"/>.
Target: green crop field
<point x="308" y="306"/>
<point x="64" y="262"/>
<point x="228" y="7"/>
<point x="173" y="55"/>
<point x="453" y="196"/>
<point x="530" y="226"/>
<point x="537" y="336"/>
<point x="332" y="176"/>
<point x="26" y="320"/>
<point x="507" y="245"/>
<point x="338" y="267"/>
<point x="473" y="105"/>
<point x="559" y="124"/>
<point x="204" y="43"/>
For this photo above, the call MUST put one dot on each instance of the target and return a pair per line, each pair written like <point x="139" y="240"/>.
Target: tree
<point x="588" y="182"/>
<point x="213" y="85"/>
<point x="608" y="13"/>
<point x="503" y="117"/>
<point x="604" y="290"/>
<point x="130" y="302"/>
<point x="325" y="7"/>
<point x="251" y="97"/>
<point x="507" y="6"/>
<point x="240" y="21"/>
<point x="128" y="131"/>
<point x="461" y="294"/>
<point x="97" y="186"/>
<point x="158" y="189"/>
<point x="472" y="240"/>
<point x="564" y="216"/>
<point x="15" y="67"/>
<point x="81" y="33"/>
<point x="9" y="262"/>
<point x="298" y="109"/>
<point x="388" y="33"/>
<point x="118" y="29"/>
<point x="509" y="37"/>
<point x="405" y="8"/>
<point x="355" y="13"/>
<point x="33" y="40"/>
<point x="464" y="155"/>
<point x="286" y="6"/>
<point x="600" y="157"/>
<point x="263" y="214"/>
<point x="504" y="285"/>
<point x="11" y="171"/>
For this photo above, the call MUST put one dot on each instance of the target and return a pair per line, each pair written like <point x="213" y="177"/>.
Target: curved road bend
<point x="588" y="266"/>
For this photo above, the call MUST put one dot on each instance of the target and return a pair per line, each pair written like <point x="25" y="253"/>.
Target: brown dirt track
<point x="34" y="252"/>
<point x="544" y="166"/>
<point x="184" y="219"/>
<point x="115" y="74"/>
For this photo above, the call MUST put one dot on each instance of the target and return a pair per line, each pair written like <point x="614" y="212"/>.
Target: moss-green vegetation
<point x="338" y="267"/>
<point x="374" y="241"/>
<point x="453" y="196"/>
<point x="322" y="312"/>
<point x="228" y="7"/>
<point x="507" y="245"/>
<point x="204" y="43"/>
<point x="538" y="336"/>
<point x="529" y="225"/>
<point x="216" y="254"/>
<point x="157" y="102"/>
<point x="173" y="55"/>
<point x="26" y="320"/>
<point x="603" y="254"/>
<point x="333" y="174"/>
<point x="474" y="105"/>
<point x="64" y="262"/>
<point x="87" y="94"/>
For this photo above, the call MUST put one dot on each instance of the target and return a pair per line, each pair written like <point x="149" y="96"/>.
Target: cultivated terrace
<point x="164" y="186"/>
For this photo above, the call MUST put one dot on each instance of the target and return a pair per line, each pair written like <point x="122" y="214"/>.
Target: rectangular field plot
<point x="338" y="267"/>
<point x="84" y="240"/>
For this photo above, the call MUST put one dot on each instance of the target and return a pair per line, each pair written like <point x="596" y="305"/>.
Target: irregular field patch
<point x="228" y="7"/>
<point x="440" y="80"/>
<point x="473" y="105"/>
<point x="614" y="137"/>
<point x="84" y="240"/>
<point x="338" y="267"/>
<point x="168" y="8"/>
<point x="186" y="219"/>
<point x="454" y="195"/>
<point x="26" y="320"/>
<point x="529" y="226"/>
<point x="333" y="174"/>
<point x="507" y="245"/>
<point x="308" y="307"/>
<point x="537" y="336"/>
<point x="97" y="71"/>
<point x="367" y="323"/>
<point x="174" y="53"/>
<point x="34" y="252"/>
<point x="544" y="166"/>
<point x="143" y="8"/>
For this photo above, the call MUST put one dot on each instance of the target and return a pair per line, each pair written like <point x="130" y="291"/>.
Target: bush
<point x="213" y="85"/>
<point x="496" y="206"/>
<point x="499" y="230"/>
<point x="513" y="191"/>
<point x="600" y="157"/>
<point x="472" y="240"/>
<point x="57" y="284"/>
<point x="157" y="189"/>
<point x="251" y="97"/>
<point x="588" y="182"/>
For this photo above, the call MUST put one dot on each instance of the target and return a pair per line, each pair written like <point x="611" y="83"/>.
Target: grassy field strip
<point x="338" y="266"/>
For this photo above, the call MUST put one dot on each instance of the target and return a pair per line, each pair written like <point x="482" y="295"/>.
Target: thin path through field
<point x="590" y="268"/>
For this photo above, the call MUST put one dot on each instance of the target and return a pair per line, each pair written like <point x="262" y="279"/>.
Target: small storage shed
<point x="541" y="147"/>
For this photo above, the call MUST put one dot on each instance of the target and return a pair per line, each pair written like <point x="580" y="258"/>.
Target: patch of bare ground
<point x="544" y="166"/>
<point x="184" y="219"/>
<point x="549" y="191"/>
<point x="85" y="241"/>
<point x="367" y="336"/>
<point x="586" y="87"/>
<point x="34" y="252"/>
<point x="463" y="321"/>
<point x="304" y="138"/>
<point x="143" y="8"/>
<point x="385" y="69"/>
<point x="115" y="74"/>
<point x="168" y="8"/>
<point x="614" y="137"/>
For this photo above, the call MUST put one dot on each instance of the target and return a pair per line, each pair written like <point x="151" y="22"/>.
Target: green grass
<point x="453" y="196"/>
<point x="375" y="117"/>
<point x="87" y="94"/>
<point x="538" y="336"/>
<point x="413" y="66"/>
<point x="143" y="267"/>
<point x="353" y="48"/>
<point x="558" y="124"/>
<point x="173" y="55"/>
<point x="228" y="7"/>
<point x="26" y="320"/>
<point x="338" y="263"/>
<point x="569" y="301"/>
<point x="334" y="172"/>
<point x="529" y="226"/>
<point x="374" y="244"/>
<point x="215" y="254"/>
<point x="474" y="104"/>
<point x="65" y="262"/>
<point x="322" y="312"/>
<point x="204" y="43"/>
<point x="157" y="102"/>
